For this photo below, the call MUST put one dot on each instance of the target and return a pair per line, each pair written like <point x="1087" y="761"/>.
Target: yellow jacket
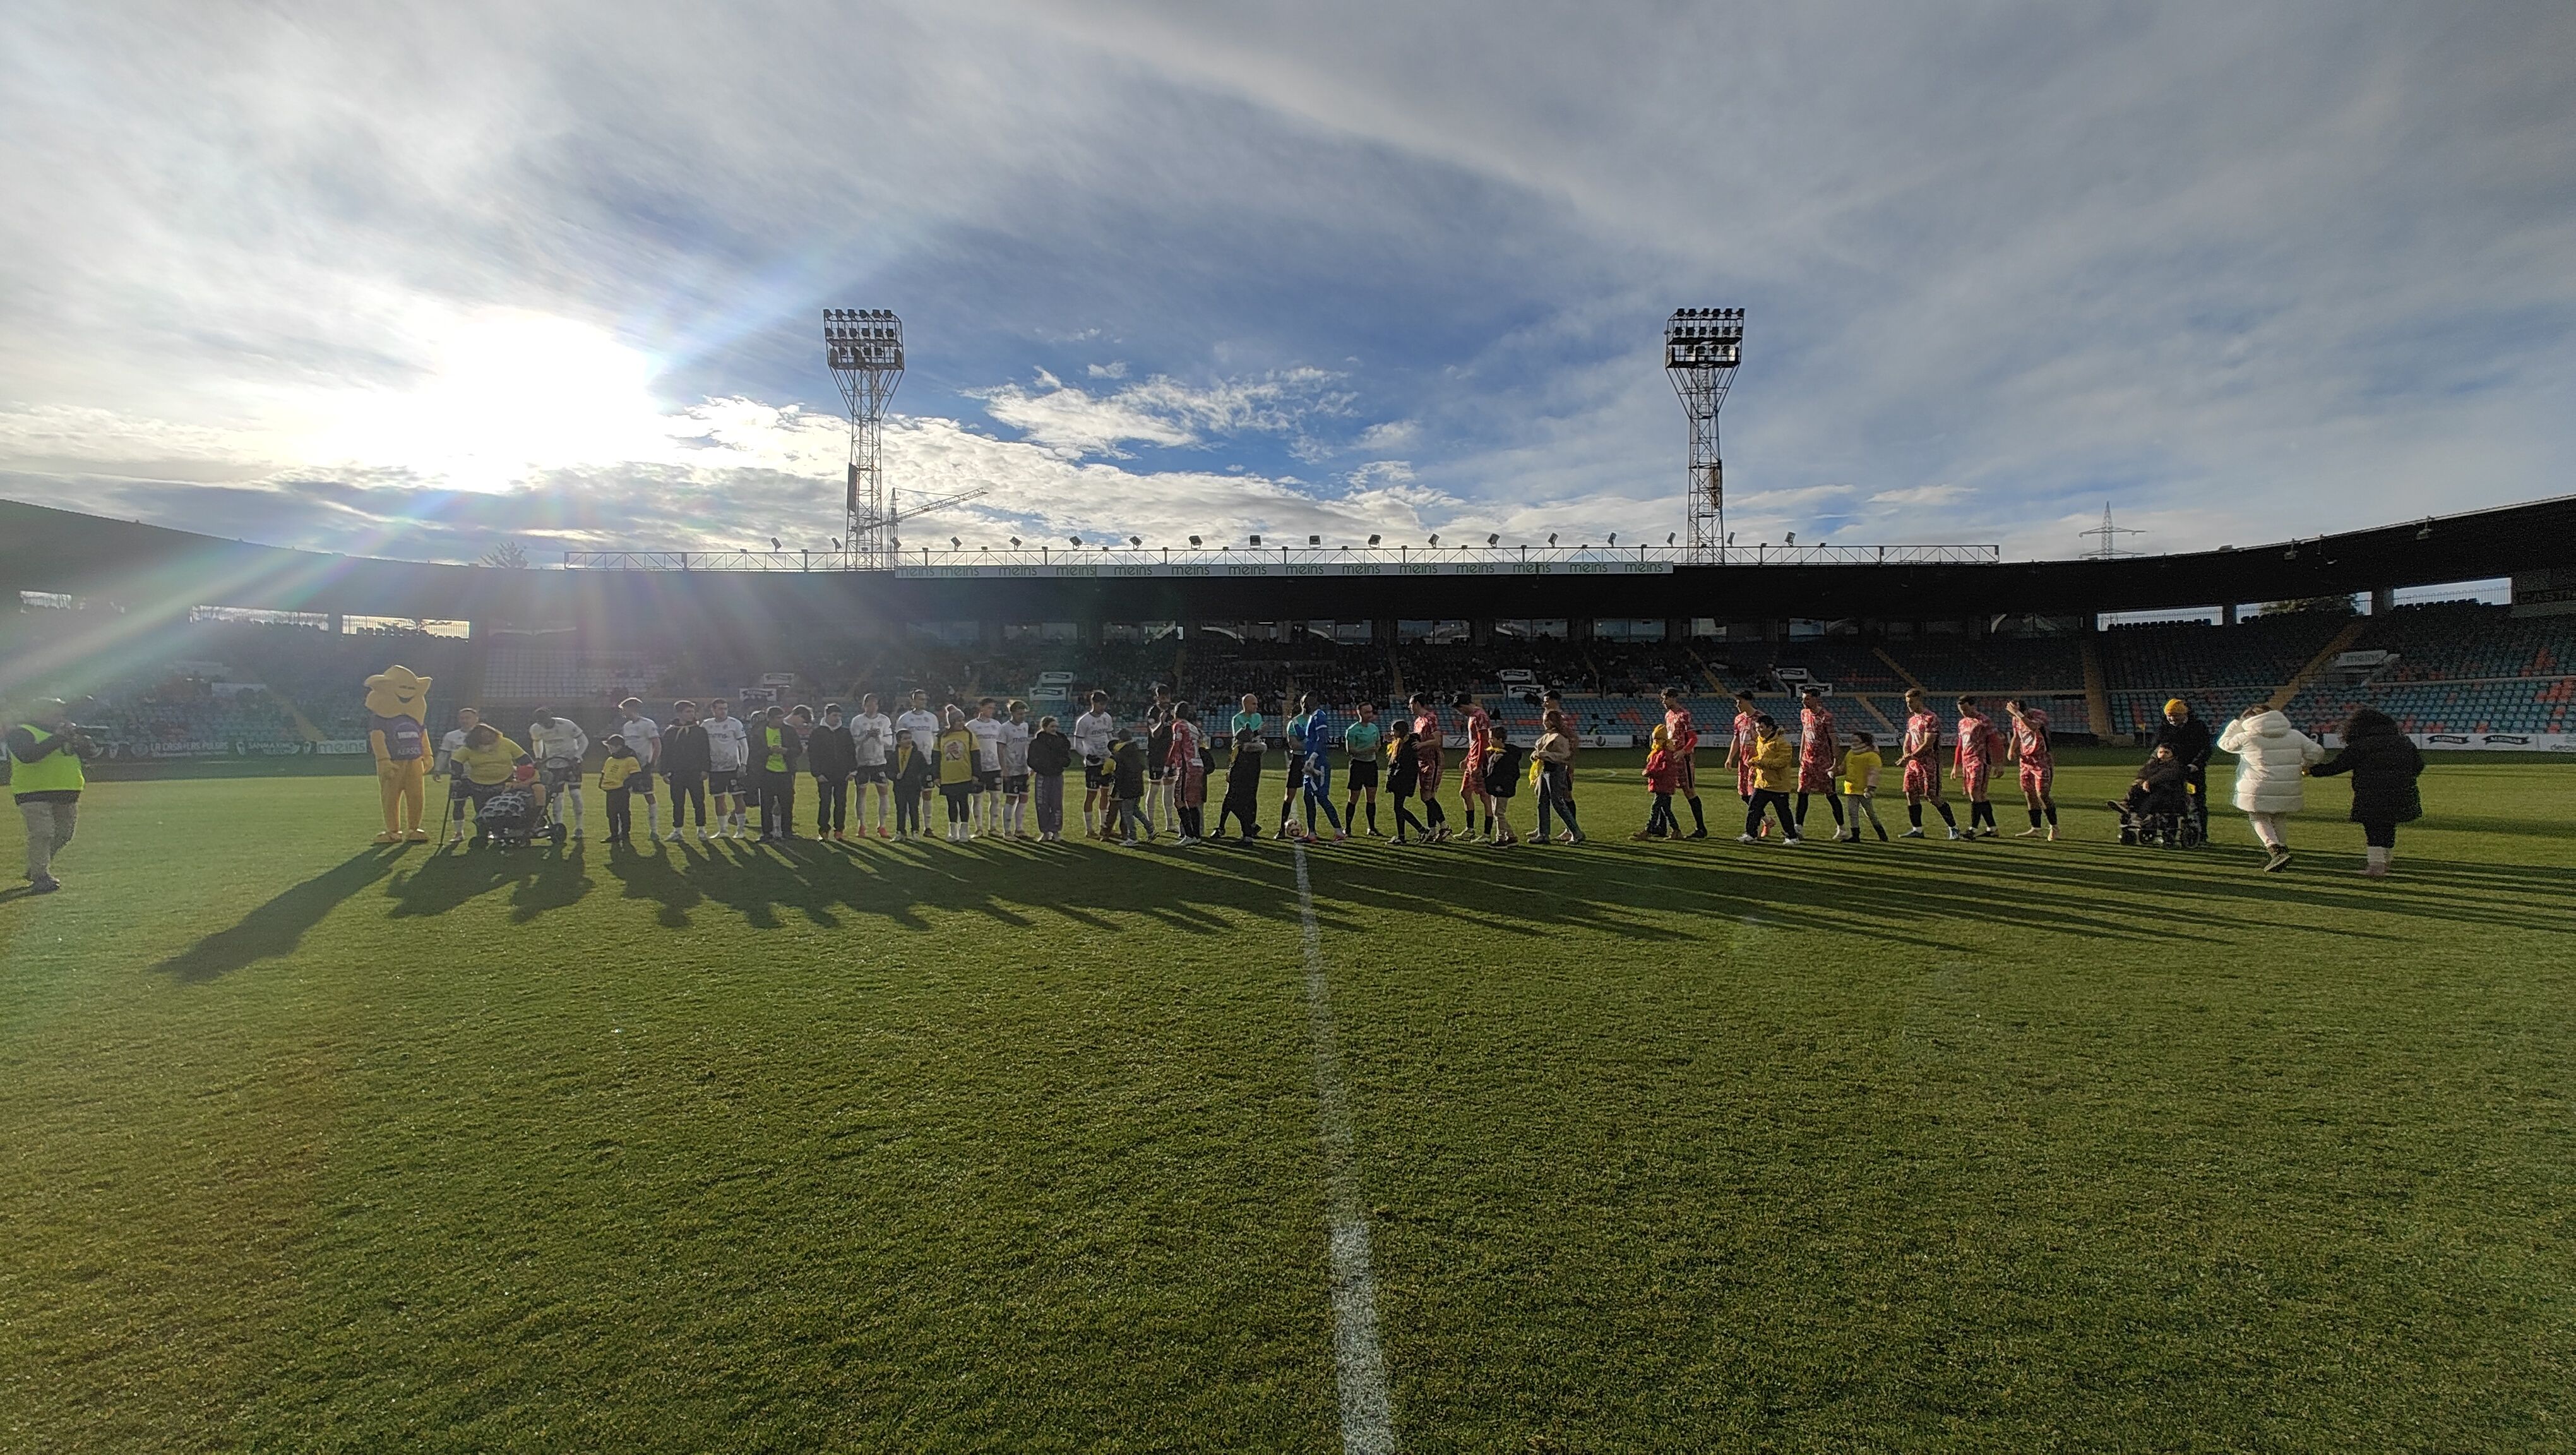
<point x="956" y="756"/>
<point x="486" y="767"/>
<point x="614" y="772"/>
<point x="1775" y="766"/>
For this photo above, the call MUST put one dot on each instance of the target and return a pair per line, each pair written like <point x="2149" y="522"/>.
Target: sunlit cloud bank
<point x="414" y="281"/>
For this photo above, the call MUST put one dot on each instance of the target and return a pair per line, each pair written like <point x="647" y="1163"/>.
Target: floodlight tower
<point x="864" y="347"/>
<point x="1702" y="346"/>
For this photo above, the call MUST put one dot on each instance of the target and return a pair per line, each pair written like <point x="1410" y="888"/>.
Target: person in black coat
<point x="2157" y="791"/>
<point x="2191" y="741"/>
<point x="831" y="755"/>
<point x="686" y="756"/>
<point x="2384" y="766"/>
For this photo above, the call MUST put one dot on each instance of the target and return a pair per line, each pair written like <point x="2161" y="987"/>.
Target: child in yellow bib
<point x="1861" y="764"/>
<point x="955" y="750"/>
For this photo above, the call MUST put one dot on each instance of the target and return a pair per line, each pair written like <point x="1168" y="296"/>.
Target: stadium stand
<point x="2453" y="667"/>
<point x="105" y="617"/>
<point x="232" y="688"/>
<point x="2218" y="668"/>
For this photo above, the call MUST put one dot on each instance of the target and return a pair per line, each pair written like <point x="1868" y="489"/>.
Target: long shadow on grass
<point x="900" y="885"/>
<point x="274" y="929"/>
<point x="1913" y="895"/>
<point x="539" y="878"/>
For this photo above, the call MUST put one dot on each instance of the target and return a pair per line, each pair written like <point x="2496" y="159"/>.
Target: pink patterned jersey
<point x="1978" y="745"/>
<point x="2030" y="740"/>
<point x="1922" y="756"/>
<point x="1429" y="747"/>
<point x="1817" y="750"/>
<point x="1681" y="731"/>
<point x="1744" y="750"/>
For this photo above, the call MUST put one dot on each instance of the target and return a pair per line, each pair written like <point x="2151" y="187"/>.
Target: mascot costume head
<point x="397" y="714"/>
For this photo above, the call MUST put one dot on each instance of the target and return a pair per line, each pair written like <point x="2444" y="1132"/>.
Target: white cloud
<point x="1393" y="434"/>
<point x="1163" y="411"/>
<point x="2243" y="272"/>
<point x="1922" y="495"/>
<point x="1382" y="472"/>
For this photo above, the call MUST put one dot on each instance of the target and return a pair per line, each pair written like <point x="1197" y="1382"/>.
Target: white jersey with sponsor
<point x="643" y="739"/>
<point x="564" y="742"/>
<point x="872" y="737"/>
<point x="1015" y="749"/>
<point x="447" y="747"/>
<point x="988" y="742"/>
<point x="728" y="744"/>
<point x="921" y="725"/>
<point x="1091" y="735"/>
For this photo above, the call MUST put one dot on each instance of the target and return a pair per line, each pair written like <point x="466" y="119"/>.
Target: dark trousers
<point x="1765" y="799"/>
<point x="1556" y="795"/>
<point x="777" y="805"/>
<point x="1404" y="818"/>
<point x="621" y="812"/>
<point x="1242" y="795"/>
<point x="831" y="802"/>
<point x="687" y="789"/>
<point x="2379" y="833"/>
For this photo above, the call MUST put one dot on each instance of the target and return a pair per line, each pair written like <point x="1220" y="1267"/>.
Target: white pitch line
<point x="1359" y="1366"/>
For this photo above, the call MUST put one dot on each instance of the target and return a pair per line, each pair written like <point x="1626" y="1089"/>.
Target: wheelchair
<point x="2160" y="823"/>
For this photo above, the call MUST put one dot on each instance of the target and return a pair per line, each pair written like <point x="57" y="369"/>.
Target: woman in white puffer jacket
<point x="2270" y="757"/>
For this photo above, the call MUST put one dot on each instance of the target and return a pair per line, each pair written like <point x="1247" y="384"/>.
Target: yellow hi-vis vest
<point x="56" y="772"/>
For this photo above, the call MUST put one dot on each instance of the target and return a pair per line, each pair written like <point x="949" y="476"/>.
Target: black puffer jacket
<point x="2189" y="739"/>
<point x="829" y="753"/>
<point x="2383" y="765"/>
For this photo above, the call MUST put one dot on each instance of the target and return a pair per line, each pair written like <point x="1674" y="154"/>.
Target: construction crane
<point x="896" y="510"/>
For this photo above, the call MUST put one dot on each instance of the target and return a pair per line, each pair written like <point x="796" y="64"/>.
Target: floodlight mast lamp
<point x="1702" y="346"/>
<point x="864" y="347"/>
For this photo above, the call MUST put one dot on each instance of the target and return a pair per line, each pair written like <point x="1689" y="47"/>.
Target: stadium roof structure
<point x="154" y="572"/>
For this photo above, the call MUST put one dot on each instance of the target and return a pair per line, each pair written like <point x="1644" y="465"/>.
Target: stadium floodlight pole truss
<point x="1702" y="346"/>
<point x="864" y="347"/>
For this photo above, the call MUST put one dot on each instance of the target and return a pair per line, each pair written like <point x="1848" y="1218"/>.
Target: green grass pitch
<point x="1909" y="1147"/>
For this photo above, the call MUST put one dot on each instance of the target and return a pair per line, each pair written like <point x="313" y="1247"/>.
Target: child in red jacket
<point x="1664" y="779"/>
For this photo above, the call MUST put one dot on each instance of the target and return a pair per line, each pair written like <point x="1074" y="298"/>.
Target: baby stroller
<point x="511" y="819"/>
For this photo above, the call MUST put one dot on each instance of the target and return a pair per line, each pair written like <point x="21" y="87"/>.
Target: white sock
<point x="653" y="817"/>
<point x="2377" y="856"/>
<point x="575" y="795"/>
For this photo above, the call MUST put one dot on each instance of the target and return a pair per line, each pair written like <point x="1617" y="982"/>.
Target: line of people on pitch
<point x="1778" y="780"/>
<point x="991" y="768"/>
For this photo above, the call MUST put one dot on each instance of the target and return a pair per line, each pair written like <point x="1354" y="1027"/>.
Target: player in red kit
<point x="1920" y="752"/>
<point x="1819" y="751"/>
<point x="2038" y="761"/>
<point x="1681" y="736"/>
<point x="1741" y="746"/>
<point x="1980" y="747"/>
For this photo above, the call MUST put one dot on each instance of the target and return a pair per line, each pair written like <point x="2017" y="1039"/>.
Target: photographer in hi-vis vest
<point x="45" y="757"/>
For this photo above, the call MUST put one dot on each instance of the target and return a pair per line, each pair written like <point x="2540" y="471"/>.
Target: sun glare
<point x="507" y="393"/>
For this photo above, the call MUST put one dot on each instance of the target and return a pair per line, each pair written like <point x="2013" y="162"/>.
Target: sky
<point x="414" y="280"/>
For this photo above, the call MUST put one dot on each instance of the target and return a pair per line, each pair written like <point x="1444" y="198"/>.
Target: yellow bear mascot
<point x="397" y="711"/>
